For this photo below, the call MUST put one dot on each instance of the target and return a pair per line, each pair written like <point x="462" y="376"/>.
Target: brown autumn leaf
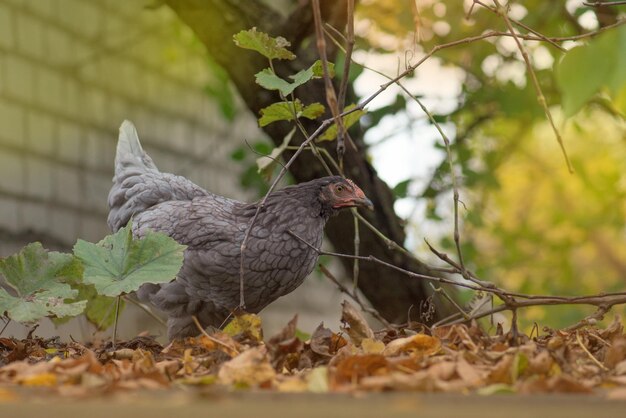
<point x="620" y="368"/>
<point x="468" y="373"/>
<point x="418" y="344"/>
<point x="250" y="368"/>
<point x="353" y="368"/>
<point x="370" y="346"/>
<point x="285" y="347"/>
<point x="325" y="342"/>
<point x="12" y="350"/>
<point x="455" y="359"/>
<point x="501" y="372"/>
<point x="540" y="363"/>
<point x="442" y="370"/>
<point x="398" y="381"/>
<point x="354" y="324"/>
<point x="616" y="352"/>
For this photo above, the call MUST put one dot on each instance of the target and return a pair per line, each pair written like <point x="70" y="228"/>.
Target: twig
<point x="5" y="325"/>
<point x="213" y="339"/>
<point x="539" y="35"/>
<point x="331" y="97"/>
<point x="353" y="295"/>
<point x="589" y="320"/>
<point x="455" y="186"/>
<point x="510" y="303"/>
<point x="540" y="97"/>
<point x="514" y="332"/>
<point x="343" y="88"/>
<point x="602" y="4"/>
<point x="442" y="291"/>
<point x="591" y="356"/>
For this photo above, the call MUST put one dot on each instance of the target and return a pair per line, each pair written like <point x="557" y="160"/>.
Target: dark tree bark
<point x="215" y="22"/>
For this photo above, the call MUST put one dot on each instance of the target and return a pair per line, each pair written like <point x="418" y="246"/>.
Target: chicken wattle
<point x="275" y="261"/>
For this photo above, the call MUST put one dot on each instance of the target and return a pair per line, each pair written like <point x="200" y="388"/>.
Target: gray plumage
<point x="213" y="228"/>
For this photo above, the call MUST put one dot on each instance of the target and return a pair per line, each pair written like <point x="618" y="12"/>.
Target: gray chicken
<point x="207" y="286"/>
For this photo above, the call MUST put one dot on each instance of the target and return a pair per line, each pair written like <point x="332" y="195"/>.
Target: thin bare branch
<point x="213" y="339"/>
<point x="503" y="12"/>
<point x="603" y="4"/>
<point x="586" y="350"/>
<point x="343" y="88"/>
<point x="354" y="296"/>
<point x="331" y="96"/>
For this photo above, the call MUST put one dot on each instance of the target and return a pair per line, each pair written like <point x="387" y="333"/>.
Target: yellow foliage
<point x="545" y="230"/>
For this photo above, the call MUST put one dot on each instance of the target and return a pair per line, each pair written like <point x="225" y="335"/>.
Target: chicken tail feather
<point x="129" y="150"/>
<point x="138" y="184"/>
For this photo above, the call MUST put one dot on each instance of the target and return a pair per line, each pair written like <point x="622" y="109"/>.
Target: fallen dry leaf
<point x="468" y="373"/>
<point x="354" y="324"/>
<point x="353" y="368"/>
<point x="370" y="346"/>
<point x="419" y="344"/>
<point x="456" y="358"/>
<point x="325" y="342"/>
<point x="251" y="368"/>
<point x="246" y="326"/>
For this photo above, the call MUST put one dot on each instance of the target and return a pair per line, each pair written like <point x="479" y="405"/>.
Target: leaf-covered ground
<point x="456" y="358"/>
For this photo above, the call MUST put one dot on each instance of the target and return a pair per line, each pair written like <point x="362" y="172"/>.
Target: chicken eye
<point x="339" y="188"/>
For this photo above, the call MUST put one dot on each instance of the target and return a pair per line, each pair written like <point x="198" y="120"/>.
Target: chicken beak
<point x="363" y="202"/>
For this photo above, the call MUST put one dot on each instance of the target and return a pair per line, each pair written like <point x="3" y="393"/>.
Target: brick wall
<point x="70" y="72"/>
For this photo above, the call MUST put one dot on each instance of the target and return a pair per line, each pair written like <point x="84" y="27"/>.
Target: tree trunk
<point x="215" y="22"/>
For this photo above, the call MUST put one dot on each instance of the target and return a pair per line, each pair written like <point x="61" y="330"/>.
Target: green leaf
<point x="279" y="111"/>
<point x="300" y="78"/>
<point x="401" y="189"/>
<point x="266" y="164"/>
<point x="348" y="120"/>
<point x="318" y="70"/>
<point x="313" y="111"/>
<point x="40" y="281"/>
<point x="270" y="81"/>
<point x="585" y="69"/>
<point x="271" y="48"/>
<point x="285" y="111"/>
<point x="100" y="310"/>
<point x="120" y="264"/>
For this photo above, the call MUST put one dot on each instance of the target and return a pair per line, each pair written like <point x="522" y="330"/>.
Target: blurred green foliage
<point x="529" y="226"/>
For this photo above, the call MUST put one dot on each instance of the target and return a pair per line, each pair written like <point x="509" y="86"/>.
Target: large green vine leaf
<point x="39" y="279"/>
<point x="120" y="264"/>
